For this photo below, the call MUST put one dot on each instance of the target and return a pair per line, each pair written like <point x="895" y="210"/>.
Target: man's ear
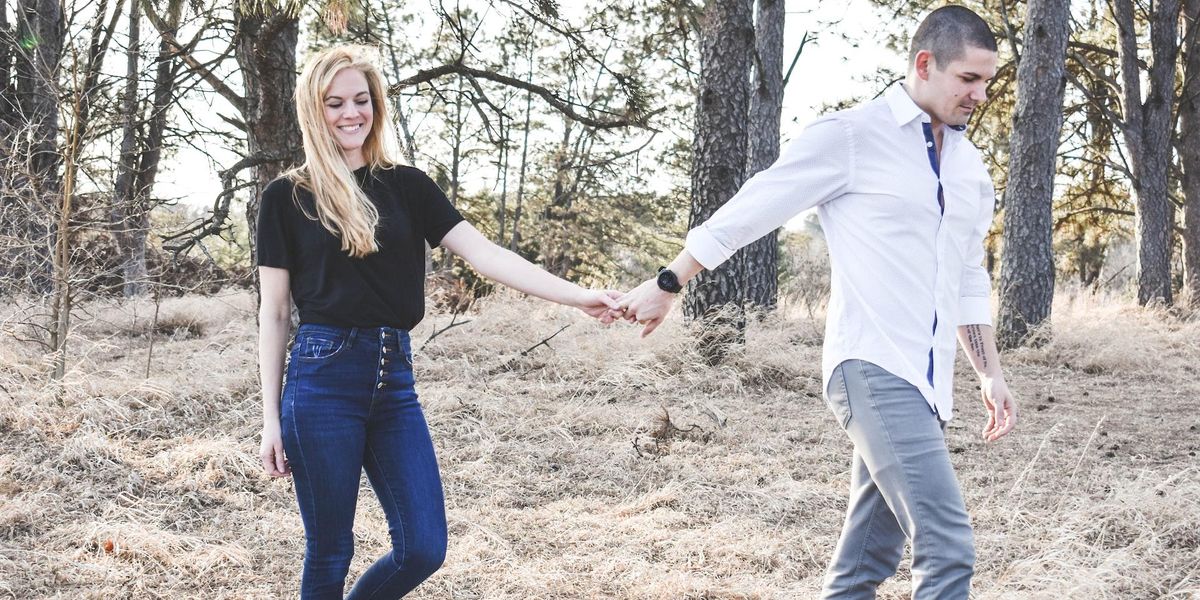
<point x="923" y="62"/>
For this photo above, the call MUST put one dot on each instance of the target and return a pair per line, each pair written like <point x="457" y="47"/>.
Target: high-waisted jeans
<point x="349" y="404"/>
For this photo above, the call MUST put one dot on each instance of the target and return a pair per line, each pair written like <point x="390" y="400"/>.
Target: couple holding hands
<point x="904" y="200"/>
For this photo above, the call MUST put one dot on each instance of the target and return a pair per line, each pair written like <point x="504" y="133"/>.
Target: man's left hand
<point x="1001" y="408"/>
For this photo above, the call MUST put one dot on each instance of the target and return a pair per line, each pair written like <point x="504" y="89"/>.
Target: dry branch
<point x="454" y="322"/>
<point x="508" y="364"/>
<point x="564" y="106"/>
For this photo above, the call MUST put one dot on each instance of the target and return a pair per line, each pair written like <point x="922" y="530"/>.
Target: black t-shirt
<point x="386" y="288"/>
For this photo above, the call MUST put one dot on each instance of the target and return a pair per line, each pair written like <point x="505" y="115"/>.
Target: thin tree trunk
<point x="63" y="290"/>
<point x="502" y="176"/>
<point x="165" y="79"/>
<point x="1148" y="127"/>
<point x="124" y="192"/>
<point x="7" y="95"/>
<point x="8" y="166"/>
<point x="84" y="77"/>
<point x="1189" y="152"/>
<point x="1027" y="263"/>
<point x="558" y="215"/>
<point x="719" y="162"/>
<point x="408" y="146"/>
<point x="456" y="159"/>
<point x="515" y="240"/>
<point x="760" y="259"/>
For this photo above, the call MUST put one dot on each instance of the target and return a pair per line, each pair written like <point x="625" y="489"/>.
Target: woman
<point x="343" y="235"/>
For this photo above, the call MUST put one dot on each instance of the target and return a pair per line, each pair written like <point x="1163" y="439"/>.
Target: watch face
<point x="668" y="282"/>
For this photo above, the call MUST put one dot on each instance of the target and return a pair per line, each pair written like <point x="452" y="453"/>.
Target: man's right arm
<point x="816" y="167"/>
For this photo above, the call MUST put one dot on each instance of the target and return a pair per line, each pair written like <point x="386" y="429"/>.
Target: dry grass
<point x="604" y="466"/>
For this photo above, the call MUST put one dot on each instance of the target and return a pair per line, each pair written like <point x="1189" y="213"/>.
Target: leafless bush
<point x="804" y="277"/>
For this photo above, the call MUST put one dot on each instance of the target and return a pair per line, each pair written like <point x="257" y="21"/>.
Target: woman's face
<point x="348" y="112"/>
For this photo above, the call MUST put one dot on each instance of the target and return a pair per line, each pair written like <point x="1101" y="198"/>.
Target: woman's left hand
<point x="599" y="304"/>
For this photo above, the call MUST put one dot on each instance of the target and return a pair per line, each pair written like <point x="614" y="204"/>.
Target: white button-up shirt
<point x="900" y="264"/>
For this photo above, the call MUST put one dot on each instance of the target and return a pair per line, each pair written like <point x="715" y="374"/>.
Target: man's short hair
<point x="947" y="32"/>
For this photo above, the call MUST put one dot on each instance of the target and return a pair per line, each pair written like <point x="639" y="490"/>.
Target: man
<point x="905" y="201"/>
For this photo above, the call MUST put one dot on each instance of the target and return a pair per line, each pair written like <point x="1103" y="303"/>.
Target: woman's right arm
<point x="274" y="318"/>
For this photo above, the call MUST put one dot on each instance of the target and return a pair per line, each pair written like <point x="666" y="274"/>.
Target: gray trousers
<point x="902" y="486"/>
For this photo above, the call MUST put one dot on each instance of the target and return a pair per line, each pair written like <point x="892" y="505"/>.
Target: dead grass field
<point x="562" y="477"/>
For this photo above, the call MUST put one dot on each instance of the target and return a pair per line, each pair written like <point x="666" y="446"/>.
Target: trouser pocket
<point x="837" y="398"/>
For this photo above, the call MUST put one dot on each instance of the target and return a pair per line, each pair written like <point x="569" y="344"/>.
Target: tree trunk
<point x="266" y="52"/>
<point x="1027" y="263"/>
<point x="457" y="141"/>
<point x="1148" y="127"/>
<point x="502" y="176"/>
<point x="560" y="216"/>
<point x="39" y="180"/>
<point x="1189" y="152"/>
<point x="7" y="95"/>
<point x="719" y="162"/>
<point x="408" y="146"/>
<point x="515" y="239"/>
<point x="124" y="190"/>
<point x="760" y="260"/>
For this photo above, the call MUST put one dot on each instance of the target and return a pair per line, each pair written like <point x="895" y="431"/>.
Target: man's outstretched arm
<point x="812" y="169"/>
<point x="979" y="343"/>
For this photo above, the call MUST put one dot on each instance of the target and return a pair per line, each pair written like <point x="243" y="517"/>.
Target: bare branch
<point x="1091" y="98"/>
<point x="454" y="322"/>
<point x="218" y="86"/>
<point x="563" y="106"/>
<point x="215" y="222"/>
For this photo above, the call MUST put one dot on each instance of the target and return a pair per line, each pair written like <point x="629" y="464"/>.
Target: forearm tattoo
<point x="975" y="344"/>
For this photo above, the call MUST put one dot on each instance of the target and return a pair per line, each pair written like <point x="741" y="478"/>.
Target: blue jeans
<point x="349" y="404"/>
<point x="902" y="487"/>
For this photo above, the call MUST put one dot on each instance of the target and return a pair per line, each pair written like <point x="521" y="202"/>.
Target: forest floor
<point x="600" y="465"/>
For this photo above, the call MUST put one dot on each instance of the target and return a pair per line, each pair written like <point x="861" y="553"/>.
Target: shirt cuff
<point x="974" y="311"/>
<point x="705" y="248"/>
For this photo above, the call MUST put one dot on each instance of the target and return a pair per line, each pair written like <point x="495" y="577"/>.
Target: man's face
<point x="950" y="93"/>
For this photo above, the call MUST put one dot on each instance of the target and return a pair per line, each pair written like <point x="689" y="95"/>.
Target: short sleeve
<point x="271" y="234"/>
<point x="437" y="215"/>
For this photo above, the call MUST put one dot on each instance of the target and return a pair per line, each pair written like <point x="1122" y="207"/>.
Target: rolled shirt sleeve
<point x="975" y="291"/>
<point x="814" y="168"/>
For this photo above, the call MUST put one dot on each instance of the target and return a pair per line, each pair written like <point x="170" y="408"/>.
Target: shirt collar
<point x="905" y="111"/>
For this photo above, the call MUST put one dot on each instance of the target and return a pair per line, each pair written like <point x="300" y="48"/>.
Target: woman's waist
<point x="379" y="335"/>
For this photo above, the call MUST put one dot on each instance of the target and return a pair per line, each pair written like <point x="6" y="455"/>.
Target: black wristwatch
<point x="668" y="281"/>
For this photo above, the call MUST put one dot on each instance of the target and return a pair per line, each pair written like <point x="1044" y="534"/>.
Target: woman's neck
<point x="355" y="159"/>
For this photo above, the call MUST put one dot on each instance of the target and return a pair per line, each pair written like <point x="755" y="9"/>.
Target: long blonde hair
<point x="342" y="207"/>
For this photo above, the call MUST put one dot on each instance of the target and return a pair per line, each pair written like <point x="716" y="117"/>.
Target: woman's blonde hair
<point x="342" y="207"/>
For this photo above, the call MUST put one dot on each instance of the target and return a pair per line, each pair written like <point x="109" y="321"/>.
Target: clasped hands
<point x="645" y="304"/>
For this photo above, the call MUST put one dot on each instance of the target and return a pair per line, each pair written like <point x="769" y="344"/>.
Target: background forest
<point x="588" y="137"/>
<point x="573" y="135"/>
